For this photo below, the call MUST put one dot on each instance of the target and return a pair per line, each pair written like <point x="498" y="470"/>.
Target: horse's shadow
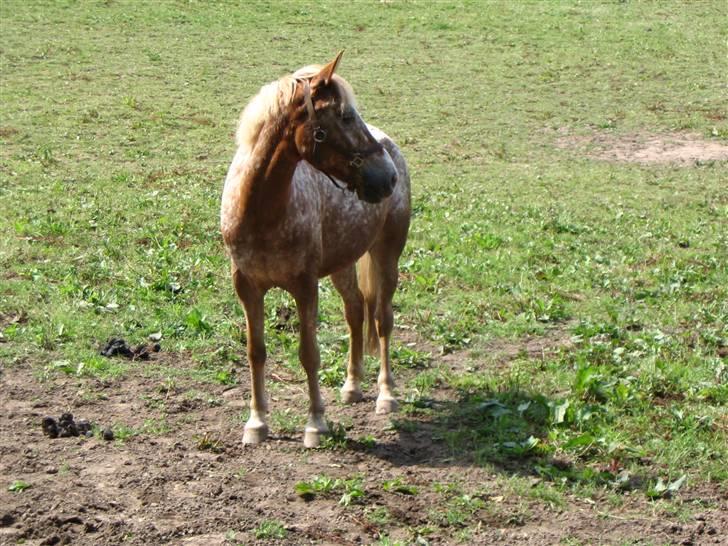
<point x="505" y="430"/>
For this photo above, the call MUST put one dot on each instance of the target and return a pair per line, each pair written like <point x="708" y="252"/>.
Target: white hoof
<point x="351" y="396"/>
<point x="312" y="438"/>
<point x="255" y="432"/>
<point x="386" y="405"/>
<point x="315" y="430"/>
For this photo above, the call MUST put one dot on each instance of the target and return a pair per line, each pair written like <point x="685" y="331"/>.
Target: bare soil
<point x="195" y="484"/>
<point x="681" y="149"/>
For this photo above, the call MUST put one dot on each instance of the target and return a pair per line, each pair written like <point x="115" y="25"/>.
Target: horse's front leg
<point x="256" y="429"/>
<point x="306" y="297"/>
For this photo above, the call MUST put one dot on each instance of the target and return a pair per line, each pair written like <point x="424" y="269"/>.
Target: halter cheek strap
<point x="319" y="135"/>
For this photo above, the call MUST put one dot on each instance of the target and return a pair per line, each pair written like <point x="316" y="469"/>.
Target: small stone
<point x="108" y="434"/>
<point x="51" y="541"/>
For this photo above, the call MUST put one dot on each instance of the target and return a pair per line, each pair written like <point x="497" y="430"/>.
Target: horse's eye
<point x="347" y="118"/>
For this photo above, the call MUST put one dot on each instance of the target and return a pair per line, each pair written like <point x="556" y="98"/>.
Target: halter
<point x="320" y="135"/>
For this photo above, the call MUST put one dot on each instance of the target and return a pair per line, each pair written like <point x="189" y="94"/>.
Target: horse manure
<point x="118" y="346"/>
<point x="83" y="426"/>
<point x="65" y="427"/>
<point x="50" y="427"/>
<point x="108" y="434"/>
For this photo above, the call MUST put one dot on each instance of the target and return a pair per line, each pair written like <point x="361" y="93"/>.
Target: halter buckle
<point x="356" y="161"/>
<point x="319" y="135"/>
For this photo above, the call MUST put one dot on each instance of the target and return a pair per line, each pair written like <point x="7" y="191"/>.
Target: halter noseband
<point x="320" y="135"/>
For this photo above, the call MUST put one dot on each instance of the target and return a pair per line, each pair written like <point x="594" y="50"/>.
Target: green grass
<point x="270" y="529"/>
<point x="396" y="485"/>
<point x="116" y="135"/>
<point x="351" y="489"/>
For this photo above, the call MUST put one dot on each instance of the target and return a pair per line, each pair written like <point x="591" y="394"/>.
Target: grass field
<point x="562" y="317"/>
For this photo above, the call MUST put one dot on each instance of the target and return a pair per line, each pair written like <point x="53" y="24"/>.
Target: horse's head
<point x="331" y="136"/>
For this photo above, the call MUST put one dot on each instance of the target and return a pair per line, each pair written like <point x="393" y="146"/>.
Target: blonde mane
<point x="274" y="97"/>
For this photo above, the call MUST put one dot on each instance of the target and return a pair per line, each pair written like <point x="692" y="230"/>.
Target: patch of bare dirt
<point x="186" y="479"/>
<point x="670" y="148"/>
<point x="553" y="341"/>
<point x="499" y="352"/>
<point x="6" y="132"/>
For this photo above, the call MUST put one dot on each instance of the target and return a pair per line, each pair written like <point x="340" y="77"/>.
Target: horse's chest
<point x="274" y="258"/>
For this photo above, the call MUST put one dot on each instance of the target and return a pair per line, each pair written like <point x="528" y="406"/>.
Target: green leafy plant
<point x="18" y="486"/>
<point x="271" y="529"/>
<point x="352" y="489"/>
<point x="397" y="485"/>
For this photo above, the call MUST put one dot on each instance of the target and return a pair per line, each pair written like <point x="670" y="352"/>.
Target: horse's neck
<point x="266" y="183"/>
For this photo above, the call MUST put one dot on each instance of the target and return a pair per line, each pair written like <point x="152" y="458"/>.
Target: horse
<point x="314" y="191"/>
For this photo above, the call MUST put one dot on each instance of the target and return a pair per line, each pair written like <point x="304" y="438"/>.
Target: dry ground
<point x="644" y="148"/>
<point x="186" y="478"/>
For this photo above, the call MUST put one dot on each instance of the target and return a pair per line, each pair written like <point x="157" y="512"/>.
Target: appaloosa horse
<point x="312" y="190"/>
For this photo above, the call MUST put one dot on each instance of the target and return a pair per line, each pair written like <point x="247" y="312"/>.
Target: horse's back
<point x="399" y="201"/>
<point x="397" y="221"/>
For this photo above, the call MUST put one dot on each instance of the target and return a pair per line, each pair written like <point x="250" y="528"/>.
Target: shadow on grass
<point x="509" y="431"/>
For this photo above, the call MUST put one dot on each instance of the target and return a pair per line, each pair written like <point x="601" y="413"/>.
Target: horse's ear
<point x="327" y="71"/>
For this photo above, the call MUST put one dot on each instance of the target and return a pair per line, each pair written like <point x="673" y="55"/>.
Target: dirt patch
<point x="6" y="132"/>
<point x="183" y="477"/>
<point x="500" y="352"/>
<point x="553" y="341"/>
<point x="669" y="148"/>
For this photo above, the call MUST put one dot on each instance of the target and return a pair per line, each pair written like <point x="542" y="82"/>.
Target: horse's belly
<point x="347" y="232"/>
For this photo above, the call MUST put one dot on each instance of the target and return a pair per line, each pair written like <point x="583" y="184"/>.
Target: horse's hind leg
<point x="384" y="258"/>
<point x="345" y="283"/>
<point x="256" y="429"/>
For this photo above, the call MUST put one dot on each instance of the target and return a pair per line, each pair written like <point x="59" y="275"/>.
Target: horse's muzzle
<point x="378" y="178"/>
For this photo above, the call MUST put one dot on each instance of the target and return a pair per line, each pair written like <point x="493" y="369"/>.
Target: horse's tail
<point x="368" y="286"/>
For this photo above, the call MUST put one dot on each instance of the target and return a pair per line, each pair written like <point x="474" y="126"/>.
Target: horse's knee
<point x="256" y="353"/>
<point x="354" y="311"/>
<point x="385" y="320"/>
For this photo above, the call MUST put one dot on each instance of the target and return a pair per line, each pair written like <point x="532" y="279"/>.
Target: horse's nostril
<point x="394" y="180"/>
